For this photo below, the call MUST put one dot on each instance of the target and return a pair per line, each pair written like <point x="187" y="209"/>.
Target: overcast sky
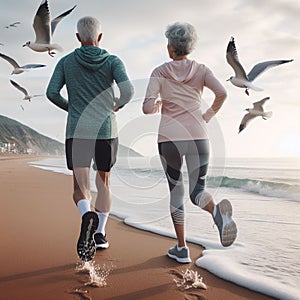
<point x="134" y="30"/>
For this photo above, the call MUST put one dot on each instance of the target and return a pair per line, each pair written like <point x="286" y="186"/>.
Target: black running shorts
<point x="81" y="152"/>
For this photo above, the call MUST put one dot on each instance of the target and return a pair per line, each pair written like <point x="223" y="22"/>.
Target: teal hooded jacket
<point x="89" y="74"/>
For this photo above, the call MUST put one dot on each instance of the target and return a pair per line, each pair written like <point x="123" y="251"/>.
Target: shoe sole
<point x="86" y="246"/>
<point x="180" y="260"/>
<point x="102" y="246"/>
<point x="229" y="229"/>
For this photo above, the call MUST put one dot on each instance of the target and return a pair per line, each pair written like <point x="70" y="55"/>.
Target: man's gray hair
<point x="182" y="36"/>
<point x="88" y="29"/>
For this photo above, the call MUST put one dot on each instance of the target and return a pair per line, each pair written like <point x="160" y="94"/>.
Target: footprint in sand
<point x="82" y="294"/>
<point x="194" y="296"/>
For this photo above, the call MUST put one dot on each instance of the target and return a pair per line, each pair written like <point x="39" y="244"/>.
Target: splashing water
<point x="189" y="279"/>
<point x="97" y="275"/>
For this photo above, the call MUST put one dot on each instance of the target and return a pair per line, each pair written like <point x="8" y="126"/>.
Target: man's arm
<point x="55" y="85"/>
<point x="124" y="85"/>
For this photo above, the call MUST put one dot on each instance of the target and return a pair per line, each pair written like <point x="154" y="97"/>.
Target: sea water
<point x="265" y="194"/>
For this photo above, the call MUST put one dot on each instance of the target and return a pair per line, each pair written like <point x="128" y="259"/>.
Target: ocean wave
<point x="273" y="187"/>
<point x="261" y="187"/>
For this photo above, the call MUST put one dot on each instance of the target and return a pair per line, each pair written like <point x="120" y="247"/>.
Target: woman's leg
<point x="197" y="160"/>
<point x="197" y="164"/>
<point x="171" y="158"/>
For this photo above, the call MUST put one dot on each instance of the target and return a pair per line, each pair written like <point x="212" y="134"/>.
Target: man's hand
<point x="116" y="108"/>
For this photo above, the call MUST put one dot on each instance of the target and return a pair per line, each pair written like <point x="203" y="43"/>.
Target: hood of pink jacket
<point x="179" y="70"/>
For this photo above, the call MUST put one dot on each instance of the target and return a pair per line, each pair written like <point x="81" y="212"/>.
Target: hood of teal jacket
<point x="91" y="57"/>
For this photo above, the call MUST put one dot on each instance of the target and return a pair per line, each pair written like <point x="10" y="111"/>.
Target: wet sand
<point x="39" y="230"/>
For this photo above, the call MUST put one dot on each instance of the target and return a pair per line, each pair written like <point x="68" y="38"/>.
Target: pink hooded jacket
<point x="180" y="85"/>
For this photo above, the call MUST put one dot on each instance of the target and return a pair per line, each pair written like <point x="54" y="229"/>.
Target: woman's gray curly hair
<point x="182" y="36"/>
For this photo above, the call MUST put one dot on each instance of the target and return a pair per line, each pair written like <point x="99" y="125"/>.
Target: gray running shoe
<point x="182" y="256"/>
<point x="226" y="226"/>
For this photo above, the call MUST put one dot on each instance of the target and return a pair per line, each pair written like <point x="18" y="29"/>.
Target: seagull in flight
<point x="44" y="30"/>
<point x="256" y="111"/>
<point x="24" y="91"/>
<point x="17" y="68"/>
<point x="12" y="25"/>
<point x="241" y="79"/>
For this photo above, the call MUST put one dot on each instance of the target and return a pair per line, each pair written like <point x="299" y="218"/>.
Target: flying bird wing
<point x="246" y="119"/>
<point x="10" y="60"/>
<point x="233" y="60"/>
<point x="259" y="104"/>
<point x="19" y="87"/>
<point x="41" y="24"/>
<point x="260" y="68"/>
<point x="33" y="66"/>
<point x="59" y="18"/>
<point x="39" y="95"/>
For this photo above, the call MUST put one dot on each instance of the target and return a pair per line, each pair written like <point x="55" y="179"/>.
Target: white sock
<point x="84" y="206"/>
<point x="180" y="248"/>
<point x="102" y="221"/>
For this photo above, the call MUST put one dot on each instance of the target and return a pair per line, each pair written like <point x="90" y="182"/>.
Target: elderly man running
<point x="89" y="74"/>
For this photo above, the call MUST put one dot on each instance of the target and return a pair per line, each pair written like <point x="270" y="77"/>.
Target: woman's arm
<point x="150" y="105"/>
<point x="217" y="88"/>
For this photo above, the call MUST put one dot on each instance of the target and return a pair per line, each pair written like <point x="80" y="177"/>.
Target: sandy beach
<point x="39" y="229"/>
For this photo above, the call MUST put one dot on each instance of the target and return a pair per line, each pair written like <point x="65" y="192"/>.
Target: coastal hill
<point x="124" y="151"/>
<point x="16" y="137"/>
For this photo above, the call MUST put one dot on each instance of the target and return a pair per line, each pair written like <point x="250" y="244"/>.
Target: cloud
<point x="134" y="30"/>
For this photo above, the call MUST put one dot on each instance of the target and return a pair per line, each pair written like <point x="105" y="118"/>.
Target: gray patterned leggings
<point x="196" y="154"/>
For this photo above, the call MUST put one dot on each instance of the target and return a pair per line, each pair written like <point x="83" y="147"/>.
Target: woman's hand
<point x="205" y="118"/>
<point x="158" y="105"/>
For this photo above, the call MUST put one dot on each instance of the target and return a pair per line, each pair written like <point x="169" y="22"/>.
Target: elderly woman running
<point x="182" y="133"/>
